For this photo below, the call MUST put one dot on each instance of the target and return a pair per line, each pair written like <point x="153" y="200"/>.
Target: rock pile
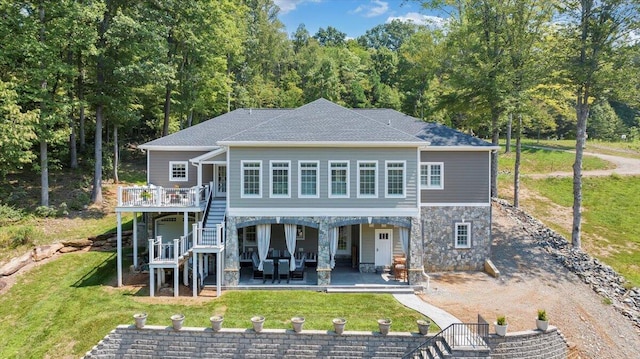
<point x="599" y="276"/>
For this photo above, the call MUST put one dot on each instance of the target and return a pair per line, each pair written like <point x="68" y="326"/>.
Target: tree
<point x="17" y="131"/>
<point x="595" y="31"/>
<point x="390" y="35"/>
<point x="330" y="37"/>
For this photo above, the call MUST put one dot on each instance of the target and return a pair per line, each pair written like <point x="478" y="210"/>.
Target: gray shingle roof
<point x="318" y="121"/>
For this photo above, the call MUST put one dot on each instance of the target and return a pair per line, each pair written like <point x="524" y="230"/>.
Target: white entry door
<point x="221" y="181"/>
<point x="384" y="239"/>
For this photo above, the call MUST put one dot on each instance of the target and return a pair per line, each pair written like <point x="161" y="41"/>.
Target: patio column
<point x="176" y="281"/>
<point x="194" y="275"/>
<point x="415" y="255"/>
<point x="152" y="283"/>
<point x="231" y="253"/>
<point x="135" y="240"/>
<point x="119" y="248"/>
<point x="324" y="260"/>
<point x="218" y="273"/>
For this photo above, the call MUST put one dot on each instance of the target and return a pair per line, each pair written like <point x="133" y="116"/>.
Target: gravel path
<point x="531" y="279"/>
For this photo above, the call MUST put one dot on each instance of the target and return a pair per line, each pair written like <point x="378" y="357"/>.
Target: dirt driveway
<point x="531" y="279"/>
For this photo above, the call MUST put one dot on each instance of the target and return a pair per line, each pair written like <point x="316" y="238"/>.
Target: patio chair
<point x="268" y="268"/>
<point x="283" y="269"/>
<point x="255" y="262"/>
<point x="298" y="273"/>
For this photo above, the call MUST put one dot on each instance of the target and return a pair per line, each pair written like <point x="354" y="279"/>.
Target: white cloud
<point x="420" y="19"/>
<point x="290" y="5"/>
<point x="373" y="9"/>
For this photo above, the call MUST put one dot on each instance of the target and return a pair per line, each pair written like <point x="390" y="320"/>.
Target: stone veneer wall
<point x="157" y="341"/>
<point x="440" y="253"/>
<point x="530" y="344"/>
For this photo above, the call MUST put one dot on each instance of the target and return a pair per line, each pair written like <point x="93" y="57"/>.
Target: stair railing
<point x="469" y="335"/>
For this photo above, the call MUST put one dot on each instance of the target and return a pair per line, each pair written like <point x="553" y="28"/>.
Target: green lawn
<point x="66" y="306"/>
<point x="536" y="160"/>
<point x="623" y="149"/>
<point x="610" y="218"/>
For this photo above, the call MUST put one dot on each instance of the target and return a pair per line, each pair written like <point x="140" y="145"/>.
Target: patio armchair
<point x="298" y="273"/>
<point x="268" y="269"/>
<point x="255" y="262"/>
<point x="283" y="269"/>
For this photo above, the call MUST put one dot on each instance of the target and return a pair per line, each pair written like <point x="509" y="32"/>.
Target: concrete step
<point x="372" y="289"/>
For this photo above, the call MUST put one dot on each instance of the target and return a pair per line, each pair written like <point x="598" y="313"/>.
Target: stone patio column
<point x="324" y="263"/>
<point x="415" y="260"/>
<point x="231" y="255"/>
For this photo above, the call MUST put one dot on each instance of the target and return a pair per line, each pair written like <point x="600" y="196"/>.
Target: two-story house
<point x="321" y="179"/>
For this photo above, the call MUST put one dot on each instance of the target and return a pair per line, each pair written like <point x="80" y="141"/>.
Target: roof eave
<point x="324" y="143"/>
<point x="178" y="148"/>
<point x="465" y="148"/>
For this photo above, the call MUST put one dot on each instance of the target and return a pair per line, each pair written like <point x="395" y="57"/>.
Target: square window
<point x="178" y="171"/>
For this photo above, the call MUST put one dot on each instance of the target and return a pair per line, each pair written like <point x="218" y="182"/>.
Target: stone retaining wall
<point x="530" y="344"/>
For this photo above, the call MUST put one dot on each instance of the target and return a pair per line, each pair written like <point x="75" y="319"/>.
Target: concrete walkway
<point x="437" y="315"/>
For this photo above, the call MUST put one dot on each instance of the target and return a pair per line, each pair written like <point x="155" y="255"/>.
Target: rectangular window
<point x="367" y="179"/>
<point x="251" y="175"/>
<point x="339" y="179"/>
<point x="431" y="175"/>
<point x="178" y="171"/>
<point x="308" y="179"/>
<point x="463" y="235"/>
<point x="395" y="179"/>
<point x="280" y="179"/>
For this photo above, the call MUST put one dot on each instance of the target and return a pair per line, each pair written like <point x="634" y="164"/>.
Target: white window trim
<point x="455" y="235"/>
<point x="375" y="170"/>
<point x="271" y="168"/>
<point x="186" y="171"/>
<point x="300" y="195"/>
<point x="242" y="194"/>
<point x="428" y="186"/>
<point x="404" y="179"/>
<point x="329" y="189"/>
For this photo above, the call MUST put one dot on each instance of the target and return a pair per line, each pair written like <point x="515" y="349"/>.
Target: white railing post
<point x="176" y="249"/>
<point x="159" y="251"/>
<point x="151" y="250"/>
<point x="158" y="196"/>
<point x="194" y="193"/>
<point x="195" y="235"/>
<point x="119" y="196"/>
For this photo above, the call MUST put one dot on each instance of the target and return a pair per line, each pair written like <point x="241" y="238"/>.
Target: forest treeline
<point x="81" y="79"/>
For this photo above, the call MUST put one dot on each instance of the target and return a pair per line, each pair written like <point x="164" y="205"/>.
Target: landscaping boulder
<point x="46" y="251"/>
<point x="79" y="243"/>
<point x="69" y="249"/>
<point x="15" y="264"/>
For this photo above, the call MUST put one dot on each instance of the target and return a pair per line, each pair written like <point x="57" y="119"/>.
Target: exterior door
<point x="384" y="239"/>
<point x="221" y="181"/>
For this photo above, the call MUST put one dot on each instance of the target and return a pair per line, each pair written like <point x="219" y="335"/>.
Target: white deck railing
<point x="209" y="237"/>
<point x="169" y="252"/>
<point x="162" y="197"/>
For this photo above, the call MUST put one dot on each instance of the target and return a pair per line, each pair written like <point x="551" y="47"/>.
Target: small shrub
<point x="9" y="215"/>
<point x="542" y="314"/>
<point x="78" y="201"/>
<point x="63" y="211"/>
<point x="25" y="236"/>
<point x="45" y="211"/>
<point x="501" y="320"/>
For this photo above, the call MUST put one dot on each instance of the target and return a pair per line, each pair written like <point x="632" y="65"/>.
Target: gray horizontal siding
<point x="466" y="177"/>
<point x="323" y="155"/>
<point x="159" y="167"/>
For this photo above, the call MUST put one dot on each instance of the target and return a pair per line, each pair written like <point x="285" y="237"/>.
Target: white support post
<point x="176" y="283"/>
<point x="218" y="273"/>
<point x="135" y="240"/>
<point x="200" y="268"/>
<point x="194" y="275"/>
<point x="185" y="273"/>
<point x="185" y="225"/>
<point x="160" y="277"/>
<point x="119" y="250"/>
<point x="206" y="266"/>
<point x="196" y="235"/>
<point x="152" y="283"/>
<point x="199" y="174"/>
<point x="176" y="250"/>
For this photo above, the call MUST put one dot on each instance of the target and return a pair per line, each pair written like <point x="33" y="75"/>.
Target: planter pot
<point x="141" y="319"/>
<point x="542" y="324"/>
<point x="216" y="322"/>
<point x="384" y="325"/>
<point x="338" y="325"/>
<point x="501" y="330"/>
<point x="297" y="323"/>
<point x="177" y="320"/>
<point x="423" y="326"/>
<point x="258" y="322"/>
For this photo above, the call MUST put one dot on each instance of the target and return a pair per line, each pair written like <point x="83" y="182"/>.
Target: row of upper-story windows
<point x="338" y="179"/>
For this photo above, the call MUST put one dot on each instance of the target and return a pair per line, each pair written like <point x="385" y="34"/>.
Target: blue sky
<point x="353" y="17"/>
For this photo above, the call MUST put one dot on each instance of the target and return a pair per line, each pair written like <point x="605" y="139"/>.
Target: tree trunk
<point x="44" y="160"/>
<point x="83" y="143"/>
<point x="73" y="151"/>
<point x="96" y="194"/>
<point x="167" y="108"/>
<point x="190" y="118"/>
<point x="44" y="173"/>
<point x="508" y="145"/>
<point x="582" y="111"/>
<point x="516" y="170"/>
<point x="116" y="154"/>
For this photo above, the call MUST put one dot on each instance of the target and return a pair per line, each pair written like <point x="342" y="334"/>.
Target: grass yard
<point x="64" y="307"/>
<point x="623" y="149"/>
<point x="536" y="160"/>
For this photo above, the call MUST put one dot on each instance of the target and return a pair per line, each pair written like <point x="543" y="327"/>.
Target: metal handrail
<point x="469" y="335"/>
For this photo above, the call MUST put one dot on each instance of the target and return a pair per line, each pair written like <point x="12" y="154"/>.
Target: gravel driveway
<point x="531" y="279"/>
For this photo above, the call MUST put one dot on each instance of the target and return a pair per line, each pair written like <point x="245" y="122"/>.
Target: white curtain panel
<point x="290" y="237"/>
<point x="333" y="244"/>
<point x="404" y="238"/>
<point x="264" y="240"/>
